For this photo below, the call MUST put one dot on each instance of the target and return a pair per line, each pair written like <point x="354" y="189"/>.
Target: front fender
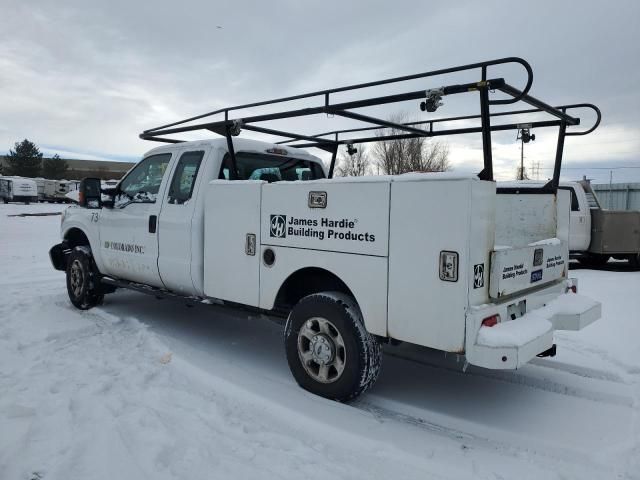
<point x="57" y="256"/>
<point x="80" y="218"/>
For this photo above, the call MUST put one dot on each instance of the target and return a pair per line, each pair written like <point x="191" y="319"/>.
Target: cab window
<point x="270" y="168"/>
<point x="184" y="178"/>
<point x="575" y="206"/>
<point x="143" y="182"/>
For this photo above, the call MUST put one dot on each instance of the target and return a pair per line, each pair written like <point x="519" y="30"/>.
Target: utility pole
<point x="610" y="190"/>
<point x="525" y="136"/>
<point x="521" y="158"/>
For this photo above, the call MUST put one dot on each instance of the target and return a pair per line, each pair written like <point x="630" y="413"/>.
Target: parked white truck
<point x="597" y="234"/>
<point x="17" y="189"/>
<point x="441" y="260"/>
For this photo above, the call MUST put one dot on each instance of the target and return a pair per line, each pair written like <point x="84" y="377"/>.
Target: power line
<point x="589" y="168"/>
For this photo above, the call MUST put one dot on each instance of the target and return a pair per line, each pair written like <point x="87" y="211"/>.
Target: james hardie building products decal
<point x="324" y="228"/>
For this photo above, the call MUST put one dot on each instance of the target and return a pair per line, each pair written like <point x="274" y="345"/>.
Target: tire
<point x="82" y="279"/>
<point x="634" y="260"/>
<point x="328" y="349"/>
<point x="593" y="260"/>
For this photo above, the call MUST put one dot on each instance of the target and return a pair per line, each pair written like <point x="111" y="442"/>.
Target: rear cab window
<point x="270" y="168"/>
<point x="184" y="178"/>
<point x="575" y="206"/>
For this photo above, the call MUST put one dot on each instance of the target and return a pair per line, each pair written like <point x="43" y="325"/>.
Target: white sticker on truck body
<point x="517" y="269"/>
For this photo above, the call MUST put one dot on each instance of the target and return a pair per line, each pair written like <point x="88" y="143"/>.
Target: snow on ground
<point x="141" y="388"/>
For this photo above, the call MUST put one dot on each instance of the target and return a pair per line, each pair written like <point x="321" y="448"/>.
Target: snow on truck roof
<point x="405" y="177"/>
<point x="239" y="145"/>
<point x="528" y="184"/>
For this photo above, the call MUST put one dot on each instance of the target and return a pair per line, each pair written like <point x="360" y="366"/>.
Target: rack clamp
<point x="433" y="100"/>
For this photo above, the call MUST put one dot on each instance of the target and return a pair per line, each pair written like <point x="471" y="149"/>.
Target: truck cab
<point x="580" y="217"/>
<point x="151" y="230"/>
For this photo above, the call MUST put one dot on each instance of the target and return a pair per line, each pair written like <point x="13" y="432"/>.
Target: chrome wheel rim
<point x="321" y="350"/>
<point x="77" y="278"/>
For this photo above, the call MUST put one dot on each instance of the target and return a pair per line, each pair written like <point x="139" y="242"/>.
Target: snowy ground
<point x="141" y="388"/>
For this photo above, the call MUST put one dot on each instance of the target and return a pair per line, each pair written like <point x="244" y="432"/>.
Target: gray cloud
<point x="87" y="77"/>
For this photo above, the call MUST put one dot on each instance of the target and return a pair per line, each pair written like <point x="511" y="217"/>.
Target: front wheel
<point x="328" y="349"/>
<point x="82" y="280"/>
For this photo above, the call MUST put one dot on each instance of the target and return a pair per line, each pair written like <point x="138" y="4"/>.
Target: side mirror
<point x="90" y="195"/>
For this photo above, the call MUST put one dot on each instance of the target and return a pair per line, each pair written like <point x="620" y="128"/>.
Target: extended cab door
<point x="176" y="224"/>
<point x="129" y="230"/>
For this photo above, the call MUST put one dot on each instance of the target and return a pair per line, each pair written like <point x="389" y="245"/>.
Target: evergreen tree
<point x="25" y="160"/>
<point x="54" y="168"/>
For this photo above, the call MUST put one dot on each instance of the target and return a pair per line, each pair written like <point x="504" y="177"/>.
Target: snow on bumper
<point x="510" y="344"/>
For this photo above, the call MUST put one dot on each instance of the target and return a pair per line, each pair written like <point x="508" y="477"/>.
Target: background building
<point x="79" y="169"/>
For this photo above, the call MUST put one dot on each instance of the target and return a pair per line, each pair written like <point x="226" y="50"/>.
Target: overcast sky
<point x="84" y="78"/>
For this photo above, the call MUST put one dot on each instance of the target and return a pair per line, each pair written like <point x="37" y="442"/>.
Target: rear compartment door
<point x="517" y="269"/>
<point x="232" y="239"/>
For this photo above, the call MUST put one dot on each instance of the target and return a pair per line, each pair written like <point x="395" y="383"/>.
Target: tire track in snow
<point x="522" y="377"/>
<point x="536" y="452"/>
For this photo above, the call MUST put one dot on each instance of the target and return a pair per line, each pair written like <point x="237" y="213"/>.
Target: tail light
<point x="491" y="321"/>
<point x="574" y="288"/>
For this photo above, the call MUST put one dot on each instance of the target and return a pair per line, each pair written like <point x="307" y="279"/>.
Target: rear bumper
<point x="512" y="343"/>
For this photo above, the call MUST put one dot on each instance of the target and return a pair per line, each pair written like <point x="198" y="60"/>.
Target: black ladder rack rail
<point x="330" y="141"/>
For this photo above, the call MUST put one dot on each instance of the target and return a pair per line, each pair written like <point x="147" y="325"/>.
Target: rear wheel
<point x="634" y="260"/>
<point x="82" y="280"/>
<point x="329" y="351"/>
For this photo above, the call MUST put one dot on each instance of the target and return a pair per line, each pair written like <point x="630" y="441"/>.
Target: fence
<point x="618" y="196"/>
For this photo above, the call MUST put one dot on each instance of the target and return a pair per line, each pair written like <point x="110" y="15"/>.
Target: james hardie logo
<point x="478" y="275"/>
<point x="278" y="226"/>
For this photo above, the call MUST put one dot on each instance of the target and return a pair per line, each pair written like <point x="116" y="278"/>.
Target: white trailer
<point x="57" y="190"/>
<point x="40" y="185"/>
<point x="16" y="189"/>
<point x="445" y="261"/>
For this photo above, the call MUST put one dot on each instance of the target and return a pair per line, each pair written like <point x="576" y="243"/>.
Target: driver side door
<point x="129" y="230"/>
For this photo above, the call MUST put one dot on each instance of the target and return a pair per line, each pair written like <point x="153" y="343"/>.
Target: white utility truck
<point x="17" y="189"/>
<point x="442" y="260"/>
<point x="597" y="234"/>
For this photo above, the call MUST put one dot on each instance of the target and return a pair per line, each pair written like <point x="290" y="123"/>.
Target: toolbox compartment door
<point x="231" y="239"/>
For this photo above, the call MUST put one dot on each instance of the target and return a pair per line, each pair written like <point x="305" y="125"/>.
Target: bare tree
<point x="409" y="154"/>
<point x="355" y="165"/>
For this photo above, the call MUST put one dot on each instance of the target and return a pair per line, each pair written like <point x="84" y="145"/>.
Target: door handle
<point x="153" y="223"/>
